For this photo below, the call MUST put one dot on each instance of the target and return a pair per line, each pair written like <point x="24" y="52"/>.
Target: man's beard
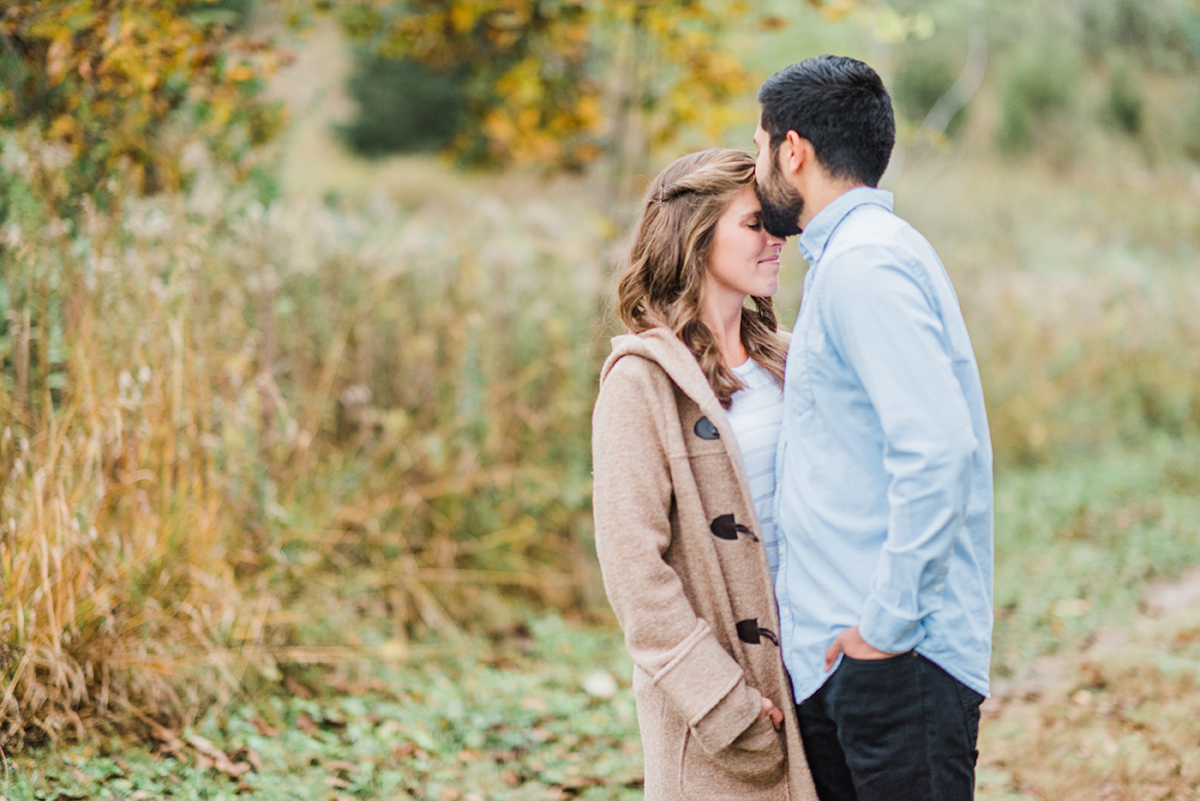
<point x="781" y="205"/>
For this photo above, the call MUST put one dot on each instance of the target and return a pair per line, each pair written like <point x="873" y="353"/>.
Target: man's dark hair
<point x="840" y="106"/>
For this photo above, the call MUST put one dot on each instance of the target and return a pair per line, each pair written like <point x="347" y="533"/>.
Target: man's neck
<point x="820" y="196"/>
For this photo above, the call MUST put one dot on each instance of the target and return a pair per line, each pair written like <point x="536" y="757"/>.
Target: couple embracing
<point x="795" y="531"/>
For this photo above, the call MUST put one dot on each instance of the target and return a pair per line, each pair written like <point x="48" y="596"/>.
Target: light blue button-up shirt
<point x="884" y="506"/>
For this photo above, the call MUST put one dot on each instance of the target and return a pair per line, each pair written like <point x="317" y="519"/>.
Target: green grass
<point x="1076" y="544"/>
<point x="498" y="721"/>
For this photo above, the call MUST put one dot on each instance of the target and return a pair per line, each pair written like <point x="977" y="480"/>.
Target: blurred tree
<point x="532" y="90"/>
<point x="529" y="95"/>
<point x="403" y="106"/>
<point x="128" y="82"/>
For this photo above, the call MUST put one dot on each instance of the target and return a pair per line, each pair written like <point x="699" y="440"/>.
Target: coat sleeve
<point x="632" y="500"/>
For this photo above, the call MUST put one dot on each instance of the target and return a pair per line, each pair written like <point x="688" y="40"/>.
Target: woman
<point x="683" y="537"/>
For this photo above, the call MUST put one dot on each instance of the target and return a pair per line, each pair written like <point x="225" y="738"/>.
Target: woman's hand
<point x="769" y="710"/>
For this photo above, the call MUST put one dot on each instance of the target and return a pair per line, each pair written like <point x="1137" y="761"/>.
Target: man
<point x="884" y="477"/>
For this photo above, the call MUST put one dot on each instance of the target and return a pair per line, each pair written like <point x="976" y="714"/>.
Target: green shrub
<point x="403" y="107"/>
<point x="1189" y="131"/>
<point x="923" y="75"/>
<point x="1124" y="108"/>
<point x="1039" y="88"/>
<point x="229" y="13"/>
<point x="1163" y="34"/>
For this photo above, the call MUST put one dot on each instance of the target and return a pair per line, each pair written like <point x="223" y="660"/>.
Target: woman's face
<point x="744" y="258"/>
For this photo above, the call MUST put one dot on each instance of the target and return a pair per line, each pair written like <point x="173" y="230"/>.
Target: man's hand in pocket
<point x="851" y="643"/>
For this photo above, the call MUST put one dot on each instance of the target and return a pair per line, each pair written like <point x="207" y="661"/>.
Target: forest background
<point x="303" y="307"/>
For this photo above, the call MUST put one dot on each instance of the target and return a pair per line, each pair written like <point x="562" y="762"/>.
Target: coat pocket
<point x="660" y="735"/>
<point x="751" y="767"/>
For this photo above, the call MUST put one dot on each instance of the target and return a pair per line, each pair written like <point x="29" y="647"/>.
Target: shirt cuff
<point x="886" y="632"/>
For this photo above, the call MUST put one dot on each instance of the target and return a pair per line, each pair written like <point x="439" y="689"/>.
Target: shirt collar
<point x="821" y="227"/>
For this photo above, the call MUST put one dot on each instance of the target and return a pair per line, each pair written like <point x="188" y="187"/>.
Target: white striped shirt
<point x="755" y="416"/>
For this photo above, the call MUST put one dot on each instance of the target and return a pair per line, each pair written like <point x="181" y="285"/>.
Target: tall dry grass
<point x="237" y="437"/>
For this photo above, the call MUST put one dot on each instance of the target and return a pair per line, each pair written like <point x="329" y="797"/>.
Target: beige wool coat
<point x="687" y="576"/>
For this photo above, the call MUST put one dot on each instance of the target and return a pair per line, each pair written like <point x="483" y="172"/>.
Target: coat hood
<point x="666" y="350"/>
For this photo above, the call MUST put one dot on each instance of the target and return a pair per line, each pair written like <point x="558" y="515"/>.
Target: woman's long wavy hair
<point x="663" y="281"/>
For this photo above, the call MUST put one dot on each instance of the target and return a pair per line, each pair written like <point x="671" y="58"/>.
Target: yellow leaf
<point x="462" y="18"/>
<point x="838" y="10"/>
<point x="62" y="127"/>
<point x="922" y="27"/>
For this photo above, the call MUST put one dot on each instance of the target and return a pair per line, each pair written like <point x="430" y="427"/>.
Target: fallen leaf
<point x="331" y="719"/>
<point x="409" y="749"/>
<point x="263" y="728"/>
<point x="534" y="704"/>
<point x="216" y="757"/>
<point x="205" y="746"/>
<point x="248" y="754"/>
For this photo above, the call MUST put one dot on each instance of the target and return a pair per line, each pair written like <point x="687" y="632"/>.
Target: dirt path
<point x="1116" y="717"/>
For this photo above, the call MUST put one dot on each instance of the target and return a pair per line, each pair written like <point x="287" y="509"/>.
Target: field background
<point x="303" y="510"/>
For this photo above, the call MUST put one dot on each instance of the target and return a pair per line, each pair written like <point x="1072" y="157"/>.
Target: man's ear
<point x="795" y="153"/>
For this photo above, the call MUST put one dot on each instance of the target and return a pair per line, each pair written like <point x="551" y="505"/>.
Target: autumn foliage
<point x="128" y="83"/>
<point x="535" y="94"/>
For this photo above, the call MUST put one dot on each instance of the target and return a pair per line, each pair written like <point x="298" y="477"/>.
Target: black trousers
<point x="892" y="730"/>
